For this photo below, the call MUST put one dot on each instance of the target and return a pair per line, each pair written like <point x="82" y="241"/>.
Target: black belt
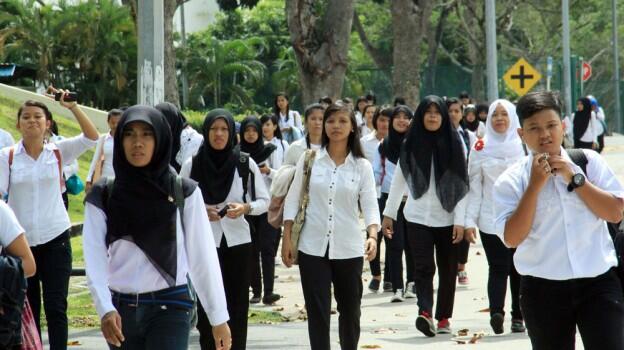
<point x="179" y="296"/>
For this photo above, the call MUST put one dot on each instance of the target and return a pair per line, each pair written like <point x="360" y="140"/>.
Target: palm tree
<point x="227" y="70"/>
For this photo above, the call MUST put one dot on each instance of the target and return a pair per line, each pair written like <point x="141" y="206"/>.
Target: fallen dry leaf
<point x="463" y="332"/>
<point x="371" y="346"/>
<point x="485" y="310"/>
<point x="476" y="337"/>
<point x="478" y="253"/>
<point x="281" y="308"/>
<point x="384" y="331"/>
<point x="73" y="343"/>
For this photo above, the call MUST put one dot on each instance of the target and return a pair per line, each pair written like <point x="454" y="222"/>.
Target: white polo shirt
<point x="567" y="240"/>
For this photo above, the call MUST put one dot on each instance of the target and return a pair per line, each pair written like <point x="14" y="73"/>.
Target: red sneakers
<point x="424" y="323"/>
<point x="444" y="326"/>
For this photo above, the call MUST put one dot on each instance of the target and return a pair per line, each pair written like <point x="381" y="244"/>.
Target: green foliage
<point x="89" y="47"/>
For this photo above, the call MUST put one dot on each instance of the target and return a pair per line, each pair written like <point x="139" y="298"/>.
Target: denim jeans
<point x="154" y="326"/>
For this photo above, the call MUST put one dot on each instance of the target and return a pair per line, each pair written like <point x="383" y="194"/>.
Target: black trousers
<point x="235" y="265"/>
<point x="317" y="276"/>
<point x="265" y="240"/>
<point x="601" y="142"/>
<point x="464" y="247"/>
<point x="501" y="266"/>
<point x="397" y="246"/>
<point x="54" y="264"/>
<point x="553" y="309"/>
<point x="424" y="241"/>
<point x="375" y="264"/>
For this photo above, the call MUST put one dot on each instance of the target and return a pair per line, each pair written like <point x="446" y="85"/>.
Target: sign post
<point x="521" y="77"/>
<point x="549" y="67"/>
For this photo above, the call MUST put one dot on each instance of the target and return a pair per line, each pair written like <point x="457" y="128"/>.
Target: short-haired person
<point x="554" y="214"/>
<point x="34" y="183"/>
<point x="331" y="243"/>
<point x="370" y="146"/>
<point x="102" y="162"/>
<point x="140" y="246"/>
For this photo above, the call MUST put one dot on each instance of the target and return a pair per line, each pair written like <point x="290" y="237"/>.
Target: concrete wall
<point x="18" y="95"/>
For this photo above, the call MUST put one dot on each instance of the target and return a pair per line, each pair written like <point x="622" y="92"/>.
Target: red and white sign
<point x="587" y="71"/>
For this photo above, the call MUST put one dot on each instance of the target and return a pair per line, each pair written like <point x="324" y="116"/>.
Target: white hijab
<point x="507" y="145"/>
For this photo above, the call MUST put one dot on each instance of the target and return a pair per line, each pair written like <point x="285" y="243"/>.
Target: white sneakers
<point x="410" y="291"/>
<point x="397" y="297"/>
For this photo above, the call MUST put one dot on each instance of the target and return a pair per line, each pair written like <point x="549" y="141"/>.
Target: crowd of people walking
<point x="182" y="227"/>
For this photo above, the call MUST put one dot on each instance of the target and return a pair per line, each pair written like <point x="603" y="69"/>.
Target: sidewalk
<point x="384" y="325"/>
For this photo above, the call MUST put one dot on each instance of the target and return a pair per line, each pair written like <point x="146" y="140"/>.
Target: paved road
<point x="384" y="324"/>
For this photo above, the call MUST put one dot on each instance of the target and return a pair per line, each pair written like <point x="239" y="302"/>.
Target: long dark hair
<point x="364" y="114"/>
<point x="273" y="118"/>
<point x="357" y="103"/>
<point x="353" y="144"/>
<point x="276" y="109"/>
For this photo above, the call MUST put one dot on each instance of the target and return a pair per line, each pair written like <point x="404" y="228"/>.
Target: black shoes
<point x="271" y="299"/>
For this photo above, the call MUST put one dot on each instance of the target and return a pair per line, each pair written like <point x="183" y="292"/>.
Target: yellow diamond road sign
<point x="521" y="77"/>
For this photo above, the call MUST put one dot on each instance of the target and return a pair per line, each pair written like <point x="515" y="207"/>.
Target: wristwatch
<point x="578" y="180"/>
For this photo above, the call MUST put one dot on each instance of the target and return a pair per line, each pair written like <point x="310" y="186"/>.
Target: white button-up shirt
<point x="426" y="210"/>
<point x="10" y="228"/>
<point x="236" y="231"/>
<point x="6" y="139"/>
<point x="332" y="215"/>
<point x="105" y="145"/>
<point x="123" y="267"/>
<point x="592" y="131"/>
<point x="483" y="172"/>
<point x="567" y="240"/>
<point x="35" y="190"/>
<point x="370" y="145"/>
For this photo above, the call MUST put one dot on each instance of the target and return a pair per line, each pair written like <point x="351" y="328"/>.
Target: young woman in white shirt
<point x="433" y="167"/>
<point x="263" y="235"/>
<point x="186" y="141"/>
<point x="141" y="248"/>
<point x="69" y="169"/>
<point x="384" y="165"/>
<point x="289" y="120"/>
<point x="215" y="168"/>
<point x="554" y="212"/>
<point x="331" y="244"/>
<point x="367" y="123"/>
<point x="34" y="184"/>
<point x="500" y="149"/>
<point x="104" y="151"/>
<point x="312" y="140"/>
<point x="360" y="104"/>
<point x="584" y="125"/>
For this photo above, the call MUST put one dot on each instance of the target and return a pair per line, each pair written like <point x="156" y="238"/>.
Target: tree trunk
<point x="171" y="79"/>
<point x="320" y="39"/>
<point x="433" y="43"/>
<point x="410" y="23"/>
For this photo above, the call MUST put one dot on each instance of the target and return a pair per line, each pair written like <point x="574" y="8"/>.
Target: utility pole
<point x="616" y="68"/>
<point x="490" y="39"/>
<point x="185" y="89"/>
<point x="151" y="74"/>
<point x="567" y="83"/>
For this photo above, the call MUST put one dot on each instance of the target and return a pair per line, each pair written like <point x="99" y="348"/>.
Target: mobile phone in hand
<point x="71" y="96"/>
<point x="223" y="211"/>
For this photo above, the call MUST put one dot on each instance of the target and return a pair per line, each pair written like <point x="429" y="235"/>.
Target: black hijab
<point x="473" y="125"/>
<point x="258" y="151"/>
<point x="141" y="207"/>
<point x="444" y="147"/>
<point x="581" y="119"/>
<point x="390" y="148"/>
<point x="214" y="169"/>
<point x="177" y="123"/>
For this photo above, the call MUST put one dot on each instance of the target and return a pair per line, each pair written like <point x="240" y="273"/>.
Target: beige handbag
<point x="303" y="203"/>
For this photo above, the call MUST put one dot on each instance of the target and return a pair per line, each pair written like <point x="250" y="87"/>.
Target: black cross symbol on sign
<point x="522" y="77"/>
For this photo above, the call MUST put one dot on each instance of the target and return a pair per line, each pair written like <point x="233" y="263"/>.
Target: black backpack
<point x="12" y="295"/>
<point x="615" y="229"/>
